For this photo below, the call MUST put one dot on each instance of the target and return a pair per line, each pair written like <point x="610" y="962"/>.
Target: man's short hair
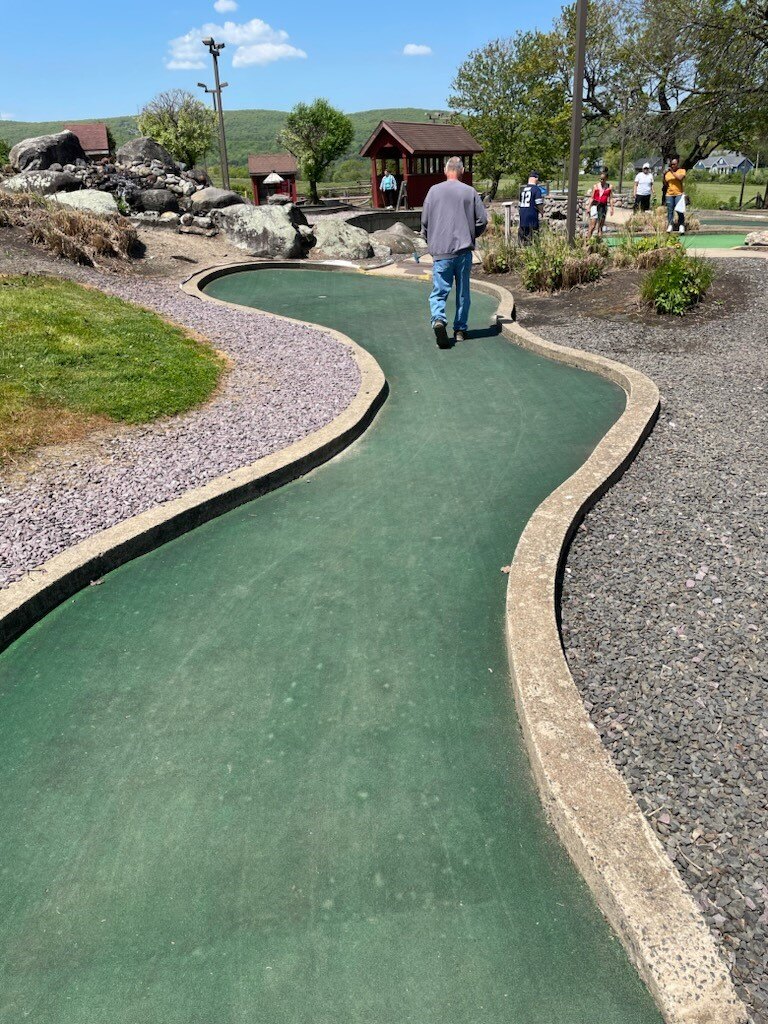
<point x="455" y="165"/>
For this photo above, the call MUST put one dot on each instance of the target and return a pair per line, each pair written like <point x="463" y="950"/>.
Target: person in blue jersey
<point x="531" y="208"/>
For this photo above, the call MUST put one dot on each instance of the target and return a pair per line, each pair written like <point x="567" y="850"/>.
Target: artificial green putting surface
<point x="702" y="240"/>
<point x="272" y="770"/>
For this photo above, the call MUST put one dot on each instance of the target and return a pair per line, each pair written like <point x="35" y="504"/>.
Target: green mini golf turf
<point x="272" y="770"/>
<point x="702" y="240"/>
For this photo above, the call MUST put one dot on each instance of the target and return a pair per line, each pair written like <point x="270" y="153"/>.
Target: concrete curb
<point x="598" y="820"/>
<point x="26" y="601"/>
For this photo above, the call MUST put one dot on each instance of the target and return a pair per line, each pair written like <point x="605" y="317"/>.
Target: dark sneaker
<point x="460" y="335"/>
<point x="441" y="334"/>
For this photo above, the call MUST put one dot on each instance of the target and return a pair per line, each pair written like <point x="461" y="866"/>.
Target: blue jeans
<point x="671" y="201"/>
<point x="443" y="274"/>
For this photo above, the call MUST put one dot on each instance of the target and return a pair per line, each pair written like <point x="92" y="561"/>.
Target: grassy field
<point x="72" y="359"/>
<point x="248" y="131"/>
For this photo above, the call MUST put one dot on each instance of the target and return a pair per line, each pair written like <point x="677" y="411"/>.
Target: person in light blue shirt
<point x="389" y="189"/>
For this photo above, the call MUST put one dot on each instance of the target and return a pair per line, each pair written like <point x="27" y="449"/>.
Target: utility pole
<point x="215" y="49"/>
<point x="578" y="92"/>
<point x="623" y="142"/>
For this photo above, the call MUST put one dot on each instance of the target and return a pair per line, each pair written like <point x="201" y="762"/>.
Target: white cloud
<point x="416" y="50"/>
<point x="255" y="42"/>
<point x="223" y="6"/>
<point x="6" y="117"/>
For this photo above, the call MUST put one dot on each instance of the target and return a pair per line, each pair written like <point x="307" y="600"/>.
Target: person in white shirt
<point x="643" y="188"/>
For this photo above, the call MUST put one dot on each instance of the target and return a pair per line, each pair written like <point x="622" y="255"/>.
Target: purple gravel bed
<point x="664" y="608"/>
<point x="285" y="382"/>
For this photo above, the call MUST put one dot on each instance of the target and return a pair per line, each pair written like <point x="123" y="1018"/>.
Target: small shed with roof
<point x="272" y="174"/>
<point x="94" y="138"/>
<point x="418" y="153"/>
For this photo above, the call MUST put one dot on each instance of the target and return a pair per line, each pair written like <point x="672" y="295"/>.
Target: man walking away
<point x="389" y="189"/>
<point x="452" y="218"/>
<point x="674" y="193"/>
<point x="531" y="207"/>
<point x="643" y="189"/>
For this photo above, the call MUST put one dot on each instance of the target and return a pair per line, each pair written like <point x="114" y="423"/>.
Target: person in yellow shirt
<point x="674" y="190"/>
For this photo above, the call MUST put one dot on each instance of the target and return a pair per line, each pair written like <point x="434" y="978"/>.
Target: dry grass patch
<point x="73" y="234"/>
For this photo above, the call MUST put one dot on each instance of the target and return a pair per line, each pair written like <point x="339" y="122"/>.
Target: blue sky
<point x="100" y="58"/>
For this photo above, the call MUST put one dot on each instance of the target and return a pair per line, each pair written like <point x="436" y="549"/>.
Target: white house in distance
<point x="725" y="163"/>
<point x="657" y="164"/>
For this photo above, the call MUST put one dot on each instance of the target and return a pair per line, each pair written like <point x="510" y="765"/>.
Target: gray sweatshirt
<point x="452" y="218"/>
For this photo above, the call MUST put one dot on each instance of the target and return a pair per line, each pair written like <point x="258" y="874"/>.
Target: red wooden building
<point x="272" y="174"/>
<point x="93" y="138"/>
<point x="419" y="152"/>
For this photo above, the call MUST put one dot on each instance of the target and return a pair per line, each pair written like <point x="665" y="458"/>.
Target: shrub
<point x="74" y="234"/>
<point x="497" y="256"/>
<point x="645" y="251"/>
<point x="551" y="264"/>
<point x="677" y="284"/>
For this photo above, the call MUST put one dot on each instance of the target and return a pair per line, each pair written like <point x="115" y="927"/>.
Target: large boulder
<point x="400" y="242"/>
<point x="340" y="240"/>
<point x="280" y="232"/>
<point x="44" y="183"/>
<point x="39" y="153"/>
<point x="756" y="238"/>
<point x="144" y="150"/>
<point x="89" y="199"/>
<point x="158" y="200"/>
<point x="207" y="199"/>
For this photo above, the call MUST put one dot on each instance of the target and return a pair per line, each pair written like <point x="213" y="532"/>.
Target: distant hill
<point x="248" y="131"/>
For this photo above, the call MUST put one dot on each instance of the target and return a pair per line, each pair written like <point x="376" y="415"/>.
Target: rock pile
<point x="143" y="181"/>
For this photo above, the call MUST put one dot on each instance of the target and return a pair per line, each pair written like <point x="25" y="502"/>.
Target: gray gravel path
<point x="286" y="381"/>
<point x="665" y="614"/>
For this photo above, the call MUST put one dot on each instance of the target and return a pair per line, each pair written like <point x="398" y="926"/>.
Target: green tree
<point x="180" y="122"/>
<point x="316" y="134"/>
<point x="706" y="75"/>
<point x="5" y="150"/>
<point x="507" y="95"/>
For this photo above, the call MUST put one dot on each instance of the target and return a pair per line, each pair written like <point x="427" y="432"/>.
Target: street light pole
<point x="578" y="92"/>
<point x="212" y="92"/>
<point x="215" y="49"/>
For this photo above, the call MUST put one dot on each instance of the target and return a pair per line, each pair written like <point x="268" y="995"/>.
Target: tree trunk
<point x="491" y="193"/>
<point x="314" y="198"/>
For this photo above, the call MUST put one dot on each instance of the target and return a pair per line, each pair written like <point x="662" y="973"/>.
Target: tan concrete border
<point x="27" y="600"/>
<point x="599" y="822"/>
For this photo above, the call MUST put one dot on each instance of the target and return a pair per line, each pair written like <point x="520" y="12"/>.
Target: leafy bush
<point x="74" y="234"/>
<point x="497" y="256"/>
<point x="550" y="264"/>
<point x="677" y="284"/>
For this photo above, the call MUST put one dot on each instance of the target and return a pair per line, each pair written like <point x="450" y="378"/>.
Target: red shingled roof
<point x="93" y="137"/>
<point x="265" y="163"/>
<point x="416" y="138"/>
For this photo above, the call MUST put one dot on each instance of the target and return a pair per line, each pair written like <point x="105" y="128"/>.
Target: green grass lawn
<point x="72" y="358"/>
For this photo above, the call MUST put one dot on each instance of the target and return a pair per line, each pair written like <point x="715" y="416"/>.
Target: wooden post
<point x="507" y="222"/>
<point x="578" y="94"/>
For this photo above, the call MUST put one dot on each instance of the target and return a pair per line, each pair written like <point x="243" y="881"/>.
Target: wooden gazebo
<point x="419" y="152"/>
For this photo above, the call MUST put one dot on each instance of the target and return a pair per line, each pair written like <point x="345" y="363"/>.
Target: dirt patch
<point x="616" y="297"/>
